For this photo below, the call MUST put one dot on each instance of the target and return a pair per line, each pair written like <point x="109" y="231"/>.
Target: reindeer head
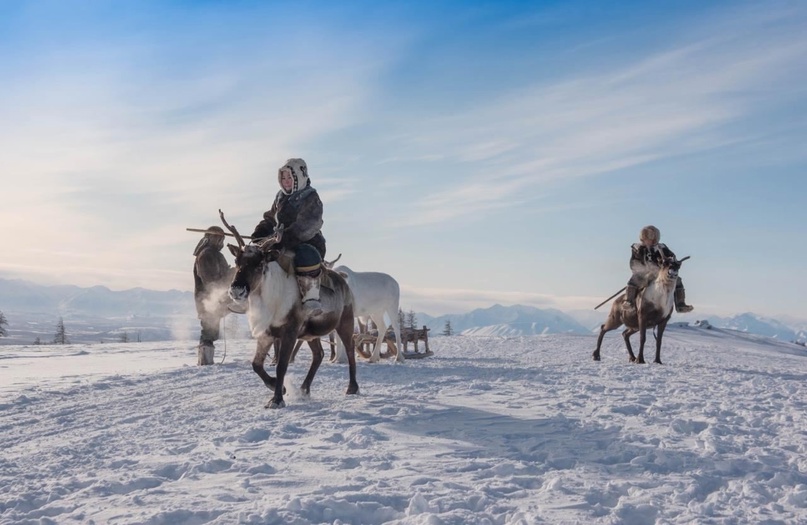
<point x="670" y="266"/>
<point x="250" y="261"/>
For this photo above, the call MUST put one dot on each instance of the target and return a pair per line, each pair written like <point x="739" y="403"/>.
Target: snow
<point x="490" y="430"/>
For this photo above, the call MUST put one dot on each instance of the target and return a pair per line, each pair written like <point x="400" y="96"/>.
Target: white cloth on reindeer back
<point x="299" y="172"/>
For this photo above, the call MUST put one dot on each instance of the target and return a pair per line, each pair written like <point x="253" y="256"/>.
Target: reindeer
<point x="654" y="307"/>
<point x="375" y="294"/>
<point x="265" y="278"/>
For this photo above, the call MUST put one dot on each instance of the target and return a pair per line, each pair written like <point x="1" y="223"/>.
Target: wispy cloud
<point x="686" y="99"/>
<point x="124" y="147"/>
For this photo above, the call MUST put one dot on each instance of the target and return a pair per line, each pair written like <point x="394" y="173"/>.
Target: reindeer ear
<point x="233" y="249"/>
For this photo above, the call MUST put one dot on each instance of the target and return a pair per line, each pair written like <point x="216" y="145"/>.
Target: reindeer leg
<point x="614" y="321"/>
<point x="626" y="336"/>
<point x="661" y="328"/>
<point x="297" y="346"/>
<point x="596" y="354"/>
<point x="332" y="344"/>
<point x="317" y="355"/>
<point x="345" y="331"/>
<point x="642" y="339"/>
<point x="284" y="349"/>
<point x="264" y="344"/>
<point x="396" y="329"/>
<point x="375" y="356"/>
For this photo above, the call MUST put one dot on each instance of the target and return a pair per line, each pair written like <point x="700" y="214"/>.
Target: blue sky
<point x="479" y="152"/>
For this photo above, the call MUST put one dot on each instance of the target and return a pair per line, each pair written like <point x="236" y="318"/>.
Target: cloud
<point x="692" y="97"/>
<point x="132" y="146"/>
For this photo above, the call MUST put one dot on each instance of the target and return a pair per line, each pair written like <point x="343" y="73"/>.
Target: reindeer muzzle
<point x="239" y="293"/>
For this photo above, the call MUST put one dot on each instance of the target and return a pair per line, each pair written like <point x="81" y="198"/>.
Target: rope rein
<point x="224" y="333"/>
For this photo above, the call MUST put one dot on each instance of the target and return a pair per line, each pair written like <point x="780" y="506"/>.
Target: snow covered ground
<point x="488" y="430"/>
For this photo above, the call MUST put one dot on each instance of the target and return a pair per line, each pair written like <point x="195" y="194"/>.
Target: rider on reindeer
<point x="645" y="261"/>
<point x="298" y="209"/>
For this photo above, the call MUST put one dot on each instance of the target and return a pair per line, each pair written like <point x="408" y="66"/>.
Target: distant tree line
<point x="60" y="338"/>
<point x="408" y="319"/>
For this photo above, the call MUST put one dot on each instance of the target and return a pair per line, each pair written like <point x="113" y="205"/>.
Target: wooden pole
<point x="619" y="292"/>
<point x="217" y="233"/>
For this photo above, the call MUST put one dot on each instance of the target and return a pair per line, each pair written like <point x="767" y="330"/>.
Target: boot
<point x="629" y="306"/>
<point x="205" y="353"/>
<point x="308" y="267"/>
<point x="680" y="301"/>
<point x="309" y="290"/>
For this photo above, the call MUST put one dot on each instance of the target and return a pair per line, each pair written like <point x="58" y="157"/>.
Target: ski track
<point x="490" y="430"/>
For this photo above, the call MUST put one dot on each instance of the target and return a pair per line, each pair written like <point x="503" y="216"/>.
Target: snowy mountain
<point x="756" y="324"/>
<point x="505" y="321"/>
<point x="791" y="329"/>
<point x="98" y="313"/>
<point x="25" y="297"/>
<point x="93" y="314"/>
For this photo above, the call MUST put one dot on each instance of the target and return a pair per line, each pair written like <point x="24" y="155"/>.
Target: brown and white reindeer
<point x="654" y="307"/>
<point x="265" y="279"/>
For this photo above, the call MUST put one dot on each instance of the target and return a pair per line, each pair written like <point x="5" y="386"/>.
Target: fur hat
<point x="299" y="172"/>
<point x="650" y="233"/>
<point x="214" y="238"/>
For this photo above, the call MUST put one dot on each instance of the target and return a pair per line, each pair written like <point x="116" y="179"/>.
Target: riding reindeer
<point x="265" y="278"/>
<point x="654" y="306"/>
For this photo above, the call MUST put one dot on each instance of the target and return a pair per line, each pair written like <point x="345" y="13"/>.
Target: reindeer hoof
<point x="596" y="356"/>
<point x="352" y="389"/>
<point x="275" y="404"/>
<point x="658" y="361"/>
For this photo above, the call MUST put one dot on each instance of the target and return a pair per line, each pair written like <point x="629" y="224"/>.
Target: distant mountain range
<point x="99" y="314"/>
<point x="505" y="321"/>
<point x="94" y="314"/>
<point x="527" y="320"/>
<point x="757" y="324"/>
<point x="747" y="322"/>
<point x="25" y="297"/>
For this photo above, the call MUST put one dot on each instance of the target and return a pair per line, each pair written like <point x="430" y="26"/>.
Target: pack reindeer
<point x="375" y="294"/>
<point x="265" y="278"/>
<point x="654" y="307"/>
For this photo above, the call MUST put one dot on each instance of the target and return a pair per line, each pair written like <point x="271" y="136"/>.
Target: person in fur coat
<point x="645" y="260"/>
<point x="212" y="276"/>
<point x="298" y="208"/>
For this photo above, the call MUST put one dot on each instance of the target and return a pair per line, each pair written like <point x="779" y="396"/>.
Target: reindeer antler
<point x="330" y="264"/>
<point x="237" y="235"/>
<point x="273" y="239"/>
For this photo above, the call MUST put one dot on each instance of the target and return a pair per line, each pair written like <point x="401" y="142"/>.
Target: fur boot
<point x="205" y="353"/>
<point x="309" y="290"/>
<point x="680" y="301"/>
